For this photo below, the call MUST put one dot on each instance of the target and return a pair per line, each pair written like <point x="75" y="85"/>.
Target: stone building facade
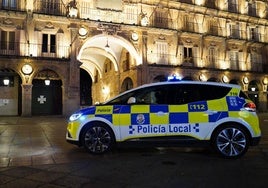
<point x="91" y="50"/>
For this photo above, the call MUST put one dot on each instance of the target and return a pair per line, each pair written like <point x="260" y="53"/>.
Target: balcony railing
<point x="33" y="50"/>
<point x="155" y="59"/>
<point x="50" y="8"/>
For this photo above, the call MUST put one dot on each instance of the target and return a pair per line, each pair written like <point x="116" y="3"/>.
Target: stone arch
<point x="93" y="51"/>
<point x="127" y="84"/>
<point x="160" y="78"/>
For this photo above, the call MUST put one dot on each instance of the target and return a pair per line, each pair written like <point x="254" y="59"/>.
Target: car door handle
<point x="161" y="113"/>
<point x="211" y="112"/>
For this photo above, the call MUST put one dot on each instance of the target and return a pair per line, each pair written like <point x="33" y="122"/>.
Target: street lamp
<point x="107" y="47"/>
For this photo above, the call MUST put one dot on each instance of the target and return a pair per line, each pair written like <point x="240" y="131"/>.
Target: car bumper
<point x="75" y="142"/>
<point x="255" y="141"/>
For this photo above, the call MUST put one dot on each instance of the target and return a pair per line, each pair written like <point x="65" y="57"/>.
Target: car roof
<point x="177" y="83"/>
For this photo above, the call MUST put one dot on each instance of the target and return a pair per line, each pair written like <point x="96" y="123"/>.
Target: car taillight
<point x="250" y="106"/>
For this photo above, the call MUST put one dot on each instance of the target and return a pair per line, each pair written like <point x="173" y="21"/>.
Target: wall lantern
<point x="6" y="81"/>
<point x="253" y="89"/>
<point x="47" y="81"/>
<point x="202" y="77"/>
<point x="107" y="47"/>
<point x="245" y="80"/>
<point x="225" y="79"/>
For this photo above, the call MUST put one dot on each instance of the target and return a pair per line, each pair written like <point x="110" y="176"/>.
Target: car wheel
<point x="98" y="139"/>
<point x="231" y="141"/>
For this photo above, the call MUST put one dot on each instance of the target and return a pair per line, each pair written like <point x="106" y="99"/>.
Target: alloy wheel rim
<point x="231" y="142"/>
<point x="97" y="139"/>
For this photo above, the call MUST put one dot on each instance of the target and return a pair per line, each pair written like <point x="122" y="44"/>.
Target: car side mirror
<point x="131" y="100"/>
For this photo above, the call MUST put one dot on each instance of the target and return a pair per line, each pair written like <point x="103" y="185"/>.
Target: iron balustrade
<point x="255" y="65"/>
<point x="33" y="50"/>
<point x="50" y="7"/>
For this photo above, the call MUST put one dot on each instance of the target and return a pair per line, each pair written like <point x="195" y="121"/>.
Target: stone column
<point x="26" y="100"/>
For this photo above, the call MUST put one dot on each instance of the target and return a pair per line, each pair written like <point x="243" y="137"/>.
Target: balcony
<point x="161" y="59"/>
<point x="34" y="50"/>
<point x="191" y="27"/>
<point x="50" y="8"/>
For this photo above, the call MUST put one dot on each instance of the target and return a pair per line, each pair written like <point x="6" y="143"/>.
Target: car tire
<point x="98" y="138"/>
<point x="231" y="141"/>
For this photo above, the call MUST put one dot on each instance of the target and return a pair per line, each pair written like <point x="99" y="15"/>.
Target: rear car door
<point x="196" y="110"/>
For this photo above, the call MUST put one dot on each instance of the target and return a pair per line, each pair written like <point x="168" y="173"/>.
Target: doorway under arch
<point x="11" y="92"/>
<point x="47" y="99"/>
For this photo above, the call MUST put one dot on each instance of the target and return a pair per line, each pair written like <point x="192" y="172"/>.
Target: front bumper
<point x="75" y="142"/>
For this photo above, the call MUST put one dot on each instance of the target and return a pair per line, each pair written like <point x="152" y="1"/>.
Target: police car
<point x="170" y="114"/>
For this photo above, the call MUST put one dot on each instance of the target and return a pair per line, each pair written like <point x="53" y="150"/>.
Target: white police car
<point x="170" y="114"/>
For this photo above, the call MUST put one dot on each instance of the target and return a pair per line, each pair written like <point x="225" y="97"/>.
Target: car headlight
<point x="75" y="116"/>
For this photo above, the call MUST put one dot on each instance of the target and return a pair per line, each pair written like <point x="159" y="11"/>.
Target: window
<point x="189" y="24"/>
<point x="162" y="52"/>
<point x="7" y="40"/>
<point x="253" y="34"/>
<point x="188" y="93"/>
<point x="149" y="95"/>
<point x="161" y="19"/>
<point x="232" y="6"/>
<point x="213" y="29"/>
<point x="188" y="54"/>
<point x="9" y="4"/>
<point x="212" y="56"/>
<point x="49" y="43"/>
<point x="234" y="31"/>
<point x="255" y="60"/>
<point x="50" y="6"/>
<point x="252" y="9"/>
<point x="233" y="60"/>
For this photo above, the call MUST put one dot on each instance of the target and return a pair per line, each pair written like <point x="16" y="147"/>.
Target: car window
<point x="187" y="93"/>
<point x="173" y="94"/>
<point x="153" y="95"/>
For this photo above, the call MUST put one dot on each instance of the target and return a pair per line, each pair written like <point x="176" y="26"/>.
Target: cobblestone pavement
<point x="34" y="153"/>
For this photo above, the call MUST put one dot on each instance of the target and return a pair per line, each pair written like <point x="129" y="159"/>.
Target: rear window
<point x="243" y="95"/>
<point x="188" y="93"/>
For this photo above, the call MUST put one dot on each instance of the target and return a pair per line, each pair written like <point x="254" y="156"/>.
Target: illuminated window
<point x="253" y="34"/>
<point x="233" y="55"/>
<point x="162" y="52"/>
<point x="188" y="54"/>
<point x="7" y="40"/>
<point x="234" y="31"/>
<point x="9" y="4"/>
<point x="213" y="29"/>
<point x="49" y="43"/>
<point x="212" y="56"/>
